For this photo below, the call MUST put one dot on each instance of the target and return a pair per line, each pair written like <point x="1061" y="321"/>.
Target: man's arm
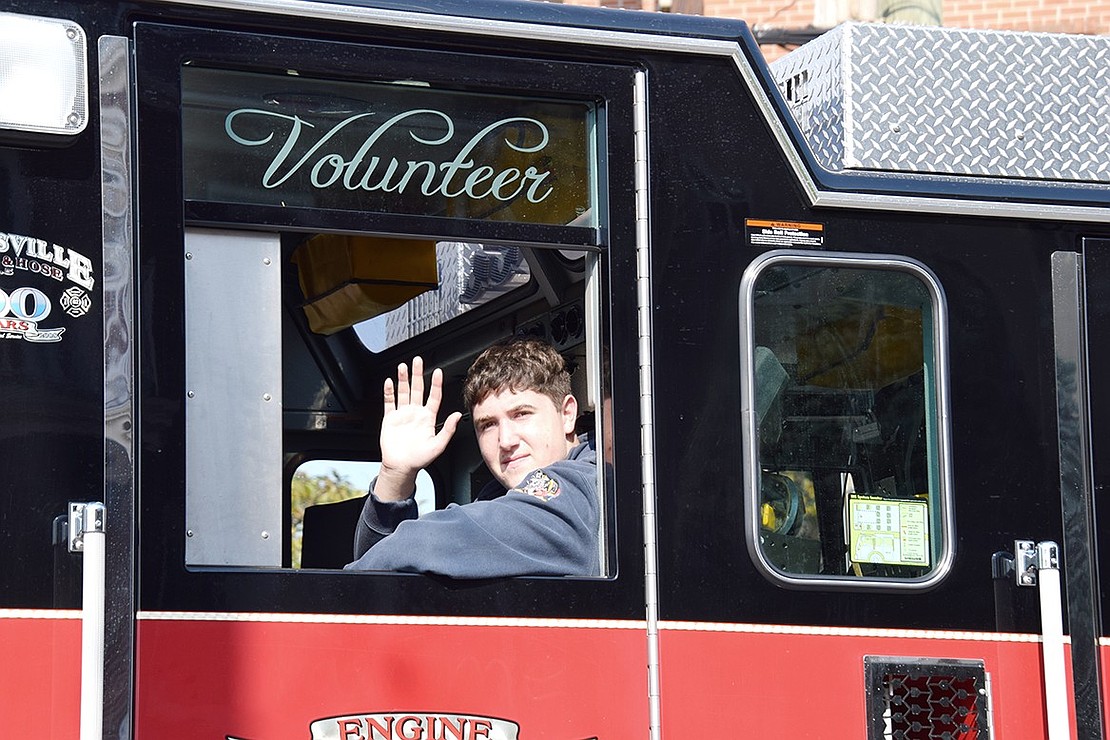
<point x="409" y="442"/>
<point x="379" y="519"/>
<point x="545" y="526"/>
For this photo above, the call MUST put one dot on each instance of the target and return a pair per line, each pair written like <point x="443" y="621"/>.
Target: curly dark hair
<point x="518" y="364"/>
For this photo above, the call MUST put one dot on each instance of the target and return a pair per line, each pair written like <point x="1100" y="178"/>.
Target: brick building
<point x="791" y="20"/>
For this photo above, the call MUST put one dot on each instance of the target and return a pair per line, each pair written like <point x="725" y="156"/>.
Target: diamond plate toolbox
<point x="897" y="98"/>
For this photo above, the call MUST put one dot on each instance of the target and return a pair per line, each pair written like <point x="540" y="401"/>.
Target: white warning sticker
<point x="764" y="233"/>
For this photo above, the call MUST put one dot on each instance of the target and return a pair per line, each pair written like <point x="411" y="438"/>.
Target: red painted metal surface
<point x="802" y="686"/>
<point x="259" y="680"/>
<point x="1104" y="662"/>
<point x="40" y="683"/>
<point x="271" y="681"/>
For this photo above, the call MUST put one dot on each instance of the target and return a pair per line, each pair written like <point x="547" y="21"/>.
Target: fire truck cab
<point x="836" y="327"/>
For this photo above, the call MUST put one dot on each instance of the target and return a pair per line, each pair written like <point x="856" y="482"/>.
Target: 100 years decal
<point x="23" y="306"/>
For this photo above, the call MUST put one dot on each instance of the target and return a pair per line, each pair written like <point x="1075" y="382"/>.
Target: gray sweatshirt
<point x="547" y="525"/>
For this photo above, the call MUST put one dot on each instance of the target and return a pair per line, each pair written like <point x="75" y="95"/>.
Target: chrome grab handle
<point x="86" y="536"/>
<point x="1038" y="564"/>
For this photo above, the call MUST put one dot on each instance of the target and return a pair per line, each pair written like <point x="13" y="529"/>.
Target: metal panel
<point x="117" y="219"/>
<point x="933" y="100"/>
<point x="233" y="496"/>
<point x="1069" y="319"/>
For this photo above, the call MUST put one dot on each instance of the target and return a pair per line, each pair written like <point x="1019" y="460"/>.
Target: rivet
<point x="190" y="394"/>
<point x="188" y="255"/>
<point x="266" y="261"/>
<point x="265" y="535"/>
<point x="266" y="397"/>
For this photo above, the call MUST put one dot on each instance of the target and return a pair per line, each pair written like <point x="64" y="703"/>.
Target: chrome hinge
<point x="84" y="518"/>
<point x="1031" y="557"/>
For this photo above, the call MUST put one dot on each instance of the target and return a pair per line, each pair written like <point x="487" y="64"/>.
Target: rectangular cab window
<point x="282" y="397"/>
<point x="844" y="385"/>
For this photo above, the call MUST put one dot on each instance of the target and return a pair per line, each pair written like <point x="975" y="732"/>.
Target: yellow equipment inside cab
<point x="347" y="279"/>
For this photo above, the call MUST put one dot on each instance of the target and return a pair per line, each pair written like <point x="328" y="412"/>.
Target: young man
<point x="546" y="521"/>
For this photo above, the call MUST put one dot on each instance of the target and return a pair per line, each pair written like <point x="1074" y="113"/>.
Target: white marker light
<point x="43" y="81"/>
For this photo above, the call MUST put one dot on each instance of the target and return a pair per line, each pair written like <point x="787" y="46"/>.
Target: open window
<point x="284" y="388"/>
<point x="844" y="386"/>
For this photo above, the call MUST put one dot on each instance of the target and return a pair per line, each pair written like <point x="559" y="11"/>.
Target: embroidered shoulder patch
<point x="540" y="485"/>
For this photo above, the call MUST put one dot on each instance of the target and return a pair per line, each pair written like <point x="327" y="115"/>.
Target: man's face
<point x="521" y="431"/>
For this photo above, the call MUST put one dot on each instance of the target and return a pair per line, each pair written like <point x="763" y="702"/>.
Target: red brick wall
<point x="1065" y="16"/>
<point x="624" y="4"/>
<point x="1062" y="16"/>
<point x="777" y="13"/>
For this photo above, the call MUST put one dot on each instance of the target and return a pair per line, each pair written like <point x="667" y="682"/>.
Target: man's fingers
<point x="435" y="393"/>
<point x="409" y="389"/>
<point x="387" y="395"/>
<point x="450" y="424"/>
<point x="402" y="384"/>
<point x="416" y="392"/>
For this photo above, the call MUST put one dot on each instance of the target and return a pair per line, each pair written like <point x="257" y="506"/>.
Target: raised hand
<point x="409" y="440"/>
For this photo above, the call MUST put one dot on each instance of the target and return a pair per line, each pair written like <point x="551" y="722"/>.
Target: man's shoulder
<point x="577" y="471"/>
<point x="580" y="462"/>
<point x="584" y="452"/>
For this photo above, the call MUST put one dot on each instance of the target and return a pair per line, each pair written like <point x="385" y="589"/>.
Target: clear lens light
<point x="43" y="83"/>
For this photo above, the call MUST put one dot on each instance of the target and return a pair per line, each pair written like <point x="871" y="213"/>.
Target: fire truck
<point x="839" y="326"/>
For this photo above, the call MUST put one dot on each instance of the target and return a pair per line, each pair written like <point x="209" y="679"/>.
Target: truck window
<point x="845" y="438"/>
<point x="288" y="340"/>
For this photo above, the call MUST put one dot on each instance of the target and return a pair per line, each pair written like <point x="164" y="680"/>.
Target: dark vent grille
<point x="926" y="699"/>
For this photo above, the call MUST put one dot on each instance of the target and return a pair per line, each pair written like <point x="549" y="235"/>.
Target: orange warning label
<point x="768" y="233"/>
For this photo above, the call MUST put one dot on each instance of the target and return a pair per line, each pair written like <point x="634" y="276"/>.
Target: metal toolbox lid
<point x="898" y="98"/>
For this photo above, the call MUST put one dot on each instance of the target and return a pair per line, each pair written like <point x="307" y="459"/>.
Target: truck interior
<point x="352" y="307"/>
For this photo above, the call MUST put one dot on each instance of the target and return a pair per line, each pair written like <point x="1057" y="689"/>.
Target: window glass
<point x="402" y="147"/>
<point x="844" y="398"/>
<point x="469" y="276"/>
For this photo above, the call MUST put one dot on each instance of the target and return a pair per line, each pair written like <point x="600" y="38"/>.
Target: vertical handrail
<point x="86" y="536"/>
<point x="1052" y="642"/>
